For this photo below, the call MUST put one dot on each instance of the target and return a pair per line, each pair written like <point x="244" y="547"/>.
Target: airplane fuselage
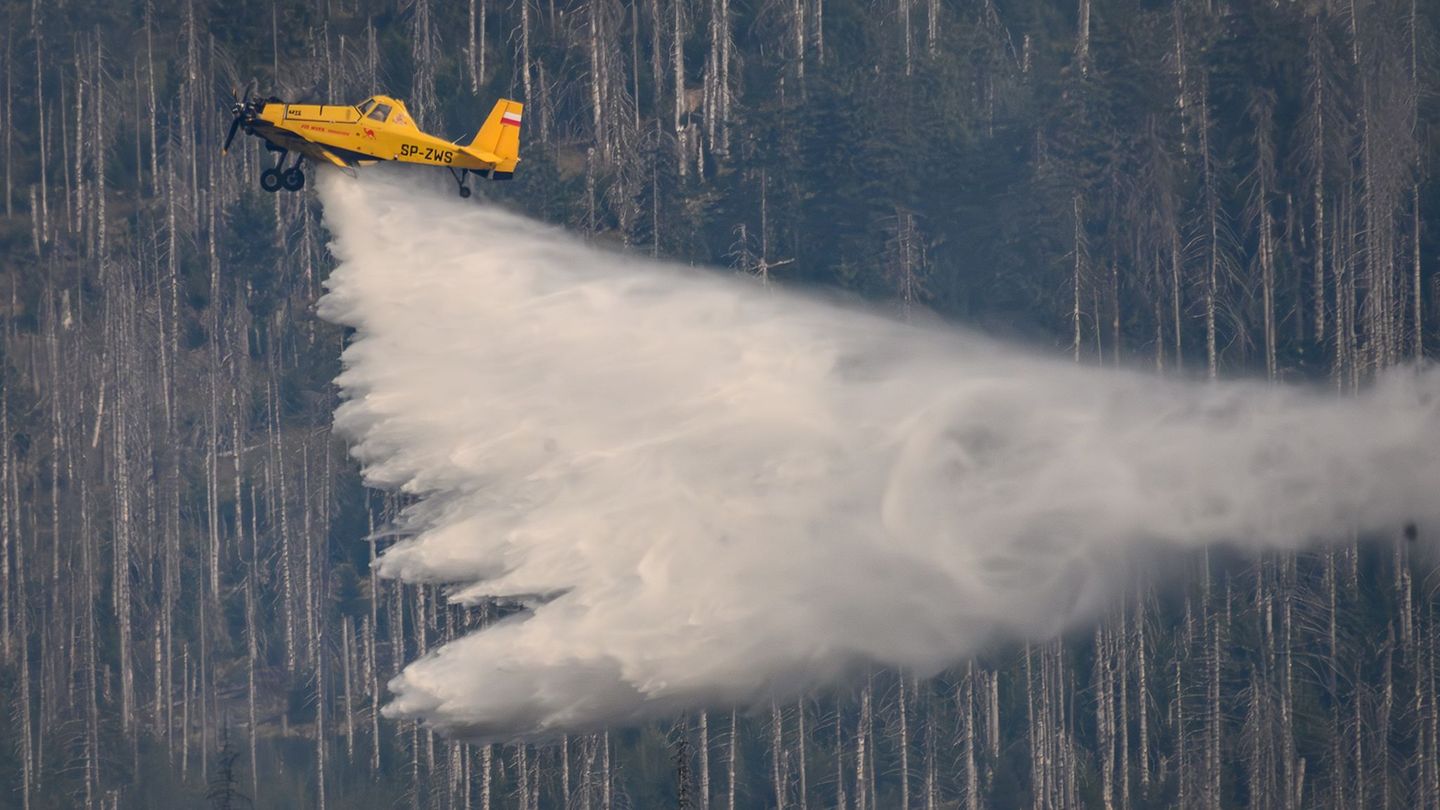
<point x="356" y="138"/>
<point x="378" y="128"/>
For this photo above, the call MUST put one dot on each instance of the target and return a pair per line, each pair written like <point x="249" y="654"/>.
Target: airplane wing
<point x="319" y="154"/>
<point x="315" y="151"/>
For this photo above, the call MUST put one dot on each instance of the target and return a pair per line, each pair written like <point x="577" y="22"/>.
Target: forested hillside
<point x="1198" y="187"/>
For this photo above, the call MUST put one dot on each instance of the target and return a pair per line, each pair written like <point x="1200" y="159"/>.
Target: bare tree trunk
<point x="797" y="23"/>
<point x="818" y="17"/>
<point x="321" y="732"/>
<point x="1417" y="348"/>
<point x="1289" y="771"/>
<point x="657" y="60"/>
<point x="170" y="559"/>
<point x="1357" y="738"/>
<point x="734" y="741"/>
<point x="252" y="641"/>
<point x="373" y="684"/>
<point x="1212" y="226"/>
<point x="930" y="772"/>
<point x="307" y="532"/>
<point x="905" y="38"/>
<point x="932" y="27"/>
<point x="22" y="632"/>
<point x="635" y="63"/>
<point x="92" y="708"/>
<point x="7" y="532"/>
<point x="369" y="626"/>
<point x="280" y="496"/>
<point x="566" y="796"/>
<point x="1104" y="718"/>
<point x="1317" y="183"/>
<point x="1142" y="696"/>
<point x="1182" y="93"/>
<point x="1033" y="733"/>
<point x="522" y="775"/>
<point x="597" y="78"/>
<point x="212" y="434"/>
<point x="372" y="59"/>
<point x="422" y="54"/>
<point x="487" y="771"/>
<point x="677" y="53"/>
<point x="704" y="761"/>
<point x="185" y="690"/>
<point x="966" y="701"/>
<point x="150" y="107"/>
<point x="1337" y="763"/>
<point x="777" y="755"/>
<point x="1261" y="112"/>
<point x="75" y="199"/>
<point x="1417" y="340"/>
<point x="1342" y="326"/>
<point x="472" y="51"/>
<point x="347" y="645"/>
<point x="725" y="94"/>
<point x="903" y="743"/>
<point x="804" y="786"/>
<point x="606" y="785"/>
<point x="44" y="209"/>
<point x="9" y="115"/>
<point x="862" y="795"/>
<point x="1077" y="274"/>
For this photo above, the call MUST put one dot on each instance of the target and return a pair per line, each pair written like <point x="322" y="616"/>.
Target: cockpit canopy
<point x="373" y="109"/>
<point x="383" y="108"/>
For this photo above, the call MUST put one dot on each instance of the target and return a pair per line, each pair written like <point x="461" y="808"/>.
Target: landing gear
<point x="461" y="177"/>
<point x="291" y="179"/>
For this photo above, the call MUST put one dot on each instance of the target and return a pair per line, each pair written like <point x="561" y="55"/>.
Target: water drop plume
<point x="711" y="492"/>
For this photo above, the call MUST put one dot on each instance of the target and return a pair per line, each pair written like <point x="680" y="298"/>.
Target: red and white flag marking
<point x="510" y="119"/>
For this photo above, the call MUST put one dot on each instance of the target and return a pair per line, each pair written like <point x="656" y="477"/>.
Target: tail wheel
<point x="271" y="180"/>
<point x="293" y="179"/>
<point x="464" y="192"/>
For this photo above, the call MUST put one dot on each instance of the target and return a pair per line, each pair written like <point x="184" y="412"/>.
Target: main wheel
<point x="294" y="179"/>
<point x="464" y="192"/>
<point x="270" y="180"/>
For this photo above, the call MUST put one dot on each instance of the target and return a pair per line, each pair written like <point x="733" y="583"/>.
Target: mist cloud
<point x="714" y="492"/>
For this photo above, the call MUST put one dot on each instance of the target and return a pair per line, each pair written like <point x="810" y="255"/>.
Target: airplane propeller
<point x="234" y="125"/>
<point x="241" y="110"/>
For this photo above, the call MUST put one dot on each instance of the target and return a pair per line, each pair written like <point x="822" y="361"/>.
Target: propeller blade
<point x="249" y="88"/>
<point x="234" y="126"/>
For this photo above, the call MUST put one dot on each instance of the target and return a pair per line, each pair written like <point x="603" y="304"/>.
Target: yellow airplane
<point x="378" y="128"/>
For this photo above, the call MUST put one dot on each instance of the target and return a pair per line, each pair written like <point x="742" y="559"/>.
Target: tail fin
<point x="500" y="136"/>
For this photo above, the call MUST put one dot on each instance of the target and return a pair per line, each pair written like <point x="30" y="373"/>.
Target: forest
<point x="1207" y="188"/>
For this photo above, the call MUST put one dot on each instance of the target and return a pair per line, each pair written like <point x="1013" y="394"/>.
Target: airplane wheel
<point x="270" y="180"/>
<point x="464" y="192"/>
<point x="294" y="179"/>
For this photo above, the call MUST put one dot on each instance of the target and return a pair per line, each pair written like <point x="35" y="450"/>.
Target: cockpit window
<point x="380" y="113"/>
<point x="365" y="105"/>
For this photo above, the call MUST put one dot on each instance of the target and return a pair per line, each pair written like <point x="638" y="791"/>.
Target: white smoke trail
<point x="717" y="492"/>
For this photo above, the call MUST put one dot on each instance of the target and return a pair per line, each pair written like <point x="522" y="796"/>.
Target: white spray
<point x="713" y="492"/>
